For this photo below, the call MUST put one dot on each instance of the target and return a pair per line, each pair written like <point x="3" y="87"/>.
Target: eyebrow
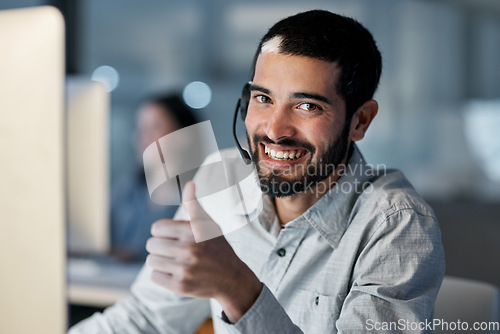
<point x="301" y="95"/>
<point x="260" y="89"/>
<point x="311" y="96"/>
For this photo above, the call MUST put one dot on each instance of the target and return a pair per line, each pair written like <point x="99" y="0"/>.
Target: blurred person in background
<point x="132" y="211"/>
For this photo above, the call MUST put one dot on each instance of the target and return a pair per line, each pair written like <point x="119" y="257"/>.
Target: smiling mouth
<point x="283" y="155"/>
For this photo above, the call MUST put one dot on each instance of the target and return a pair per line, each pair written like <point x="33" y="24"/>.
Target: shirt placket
<point x="281" y="256"/>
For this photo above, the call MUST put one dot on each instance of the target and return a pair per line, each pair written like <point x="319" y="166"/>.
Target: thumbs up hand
<point x="193" y="258"/>
<point x="202" y="225"/>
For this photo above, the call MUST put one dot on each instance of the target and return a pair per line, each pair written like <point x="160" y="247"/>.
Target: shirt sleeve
<point x="150" y="309"/>
<point x="266" y="315"/>
<point x="396" y="277"/>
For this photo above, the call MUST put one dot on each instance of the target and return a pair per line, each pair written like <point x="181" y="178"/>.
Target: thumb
<point x="202" y="224"/>
<point x="191" y="204"/>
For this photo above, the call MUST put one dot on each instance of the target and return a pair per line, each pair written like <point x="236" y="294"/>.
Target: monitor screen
<point x="87" y="133"/>
<point x="32" y="201"/>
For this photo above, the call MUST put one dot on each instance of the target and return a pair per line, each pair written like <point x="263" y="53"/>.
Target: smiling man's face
<point x="295" y="122"/>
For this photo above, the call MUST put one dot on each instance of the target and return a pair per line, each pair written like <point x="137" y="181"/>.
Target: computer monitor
<point x="87" y="133"/>
<point x="32" y="200"/>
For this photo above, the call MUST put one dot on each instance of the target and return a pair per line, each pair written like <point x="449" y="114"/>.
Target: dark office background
<point x="439" y="95"/>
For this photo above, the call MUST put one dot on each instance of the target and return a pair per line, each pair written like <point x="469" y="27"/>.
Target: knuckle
<point x="194" y="253"/>
<point x="201" y="248"/>
<point x="183" y="286"/>
<point x="181" y="276"/>
<point x="190" y="258"/>
<point x="185" y="274"/>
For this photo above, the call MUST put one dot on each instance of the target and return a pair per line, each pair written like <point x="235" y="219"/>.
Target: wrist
<point x="237" y="301"/>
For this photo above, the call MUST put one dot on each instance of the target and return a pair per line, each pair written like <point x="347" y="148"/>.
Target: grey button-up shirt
<point x="368" y="254"/>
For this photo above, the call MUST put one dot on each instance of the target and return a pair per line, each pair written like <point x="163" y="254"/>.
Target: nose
<point x="279" y="125"/>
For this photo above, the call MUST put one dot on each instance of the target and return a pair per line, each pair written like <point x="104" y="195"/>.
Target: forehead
<point x="281" y="72"/>
<point x="152" y="112"/>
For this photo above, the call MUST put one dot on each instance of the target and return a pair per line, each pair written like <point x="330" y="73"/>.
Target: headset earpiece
<point x="242" y="107"/>
<point x="245" y="99"/>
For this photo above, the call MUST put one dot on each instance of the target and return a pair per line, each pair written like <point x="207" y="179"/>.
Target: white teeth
<point x="281" y="155"/>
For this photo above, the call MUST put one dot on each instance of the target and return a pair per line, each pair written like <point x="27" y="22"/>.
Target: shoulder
<point x="392" y="218"/>
<point x="390" y="207"/>
<point x="389" y="191"/>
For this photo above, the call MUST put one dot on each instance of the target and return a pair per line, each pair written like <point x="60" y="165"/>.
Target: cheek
<point x="320" y="136"/>
<point x="251" y="122"/>
<point x="257" y="117"/>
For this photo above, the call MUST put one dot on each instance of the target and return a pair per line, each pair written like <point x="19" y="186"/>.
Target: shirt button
<point x="281" y="252"/>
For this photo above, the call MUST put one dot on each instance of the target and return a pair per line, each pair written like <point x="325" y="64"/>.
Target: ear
<point x="362" y="118"/>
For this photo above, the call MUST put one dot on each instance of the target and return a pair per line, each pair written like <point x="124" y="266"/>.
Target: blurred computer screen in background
<point x="87" y="152"/>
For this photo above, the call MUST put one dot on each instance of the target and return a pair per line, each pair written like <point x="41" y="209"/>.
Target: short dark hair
<point x="174" y="104"/>
<point x="331" y="37"/>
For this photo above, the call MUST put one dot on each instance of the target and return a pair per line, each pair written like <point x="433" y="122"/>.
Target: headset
<point x="242" y="107"/>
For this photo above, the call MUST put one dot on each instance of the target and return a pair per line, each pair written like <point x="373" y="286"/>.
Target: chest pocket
<point x="314" y="312"/>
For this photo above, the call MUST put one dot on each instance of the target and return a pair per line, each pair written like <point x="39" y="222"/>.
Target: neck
<point x="291" y="207"/>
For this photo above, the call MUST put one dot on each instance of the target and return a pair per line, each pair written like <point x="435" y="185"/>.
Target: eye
<point x="306" y="106"/>
<point x="262" y="98"/>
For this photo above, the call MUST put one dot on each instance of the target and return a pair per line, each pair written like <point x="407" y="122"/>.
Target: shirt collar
<point x="330" y="214"/>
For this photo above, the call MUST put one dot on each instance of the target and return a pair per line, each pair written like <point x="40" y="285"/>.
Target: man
<point x="338" y="247"/>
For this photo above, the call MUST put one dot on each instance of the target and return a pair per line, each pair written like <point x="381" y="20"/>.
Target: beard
<point x="299" y="178"/>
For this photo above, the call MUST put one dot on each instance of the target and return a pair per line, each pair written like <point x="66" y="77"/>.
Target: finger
<point x="165" y="265"/>
<point x="172" y="229"/>
<point x="163" y="279"/>
<point x="202" y="225"/>
<point x="173" y="249"/>
<point x="168" y="281"/>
